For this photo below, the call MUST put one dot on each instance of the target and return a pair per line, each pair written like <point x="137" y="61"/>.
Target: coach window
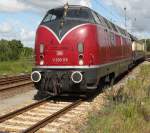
<point x="96" y="18"/>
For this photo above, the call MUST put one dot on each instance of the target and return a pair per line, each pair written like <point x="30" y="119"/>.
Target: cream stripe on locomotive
<point x="66" y="32"/>
<point x="82" y="67"/>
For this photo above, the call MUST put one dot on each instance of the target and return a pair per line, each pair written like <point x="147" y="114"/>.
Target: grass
<point x="16" y="67"/>
<point x="128" y="112"/>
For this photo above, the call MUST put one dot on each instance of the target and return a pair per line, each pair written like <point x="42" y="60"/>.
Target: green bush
<point x="16" y="67"/>
<point x="13" y="50"/>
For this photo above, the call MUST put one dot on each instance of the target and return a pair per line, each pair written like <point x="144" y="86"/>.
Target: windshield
<point x="74" y="13"/>
<point x="78" y="13"/>
<point x="53" y="15"/>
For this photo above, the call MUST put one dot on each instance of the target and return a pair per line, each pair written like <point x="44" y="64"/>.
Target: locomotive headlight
<point x="41" y="54"/>
<point x="36" y="76"/>
<point x="81" y="62"/>
<point x="42" y="62"/>
<point x="41" y="48"/>
<point x="81" y="50"/>
<point x="41" y="59"/>
<point x="76" y="77"/>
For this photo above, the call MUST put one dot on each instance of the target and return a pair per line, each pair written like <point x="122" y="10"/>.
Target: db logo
<point x="59" y="53"/>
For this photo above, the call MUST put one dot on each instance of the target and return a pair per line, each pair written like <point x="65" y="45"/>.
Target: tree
<point x="16" y="47"/>
<point x="5" y="51"/>
<point x="147" y="43"/>
<point x="27" y="52"/>
<point x="13" y="50"/>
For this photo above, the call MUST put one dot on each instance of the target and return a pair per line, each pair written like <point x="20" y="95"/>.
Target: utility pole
<point x="125" y="11"/>
<point x="146" y="45"/>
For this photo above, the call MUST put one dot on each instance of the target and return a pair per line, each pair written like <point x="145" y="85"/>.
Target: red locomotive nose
<point x="71" y="50"/>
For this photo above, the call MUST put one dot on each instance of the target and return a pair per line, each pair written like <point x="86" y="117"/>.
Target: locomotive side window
<point x="96" y="18"/>
<point x="122" y="41"/>
<point x="112" y="39"/>
<point x="122" y="31"/>
<point x="114" y="27"/>
<point x="107" y="23"/>
<point x="101" y="19"/>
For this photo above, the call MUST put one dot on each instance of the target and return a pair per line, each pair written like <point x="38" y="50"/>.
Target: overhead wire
<point x="116" y="17"/>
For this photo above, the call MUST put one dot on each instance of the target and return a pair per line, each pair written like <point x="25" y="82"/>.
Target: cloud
<point x="27" y="36"/>
<point x="12" y="6"/>
<point x="137" y="13"/>
<point x="10" y="29"/>
<point x="5" y="28"/>
<point x="15" y="30"/>
<point x="47" y="4"/>
<point x="36" y="5"/>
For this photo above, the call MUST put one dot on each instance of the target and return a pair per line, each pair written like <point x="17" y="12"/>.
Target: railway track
<point x="14" y="79"/>
<point x="35" y="116"/>
<point x="148" y="59"/>
<point x="13" y="82"/>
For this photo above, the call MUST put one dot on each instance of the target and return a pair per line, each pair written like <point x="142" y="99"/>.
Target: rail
<point x="40" y="123"/>
<point x="13" y="82"/>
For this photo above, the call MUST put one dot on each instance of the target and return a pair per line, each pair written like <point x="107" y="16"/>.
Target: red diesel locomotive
<point x="76" y="48"/>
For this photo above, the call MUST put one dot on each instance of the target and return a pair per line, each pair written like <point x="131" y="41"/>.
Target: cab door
<point x="107" y="45"/>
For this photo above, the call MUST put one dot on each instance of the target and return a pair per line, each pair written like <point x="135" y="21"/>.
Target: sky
<point x="19" y="19"/>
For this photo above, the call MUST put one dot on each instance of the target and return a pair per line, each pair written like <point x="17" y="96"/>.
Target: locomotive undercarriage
<point x="57" y="81"/>
<point x="54" y="82"/>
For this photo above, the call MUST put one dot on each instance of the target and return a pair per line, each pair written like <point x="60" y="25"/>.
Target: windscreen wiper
<point x="66" y="7"/>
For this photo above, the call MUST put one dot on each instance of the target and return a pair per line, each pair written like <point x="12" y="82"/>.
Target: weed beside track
<point x="128" y="111"/>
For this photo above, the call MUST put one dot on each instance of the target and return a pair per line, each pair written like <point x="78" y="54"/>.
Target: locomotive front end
<point x="63" y="51"/>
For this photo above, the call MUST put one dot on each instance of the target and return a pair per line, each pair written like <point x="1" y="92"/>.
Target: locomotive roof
<point x="121" y="30"/>
<point x="72" y="6"/>
<point x="133" y="38"/>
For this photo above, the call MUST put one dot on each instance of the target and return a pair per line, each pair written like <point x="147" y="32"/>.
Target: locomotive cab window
<point x="78" y="13"/>
<point x="72" y="13"/>
<point x="53" y="15"/>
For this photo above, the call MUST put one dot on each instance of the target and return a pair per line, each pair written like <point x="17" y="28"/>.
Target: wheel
<point x="102" y="84"/>
<point x="112" y="82"/>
